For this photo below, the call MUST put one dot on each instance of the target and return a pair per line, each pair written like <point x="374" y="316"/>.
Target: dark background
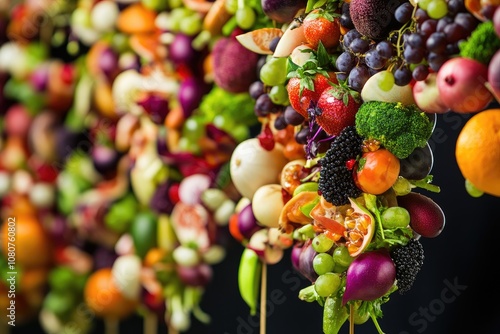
<point x="455" y="292"/>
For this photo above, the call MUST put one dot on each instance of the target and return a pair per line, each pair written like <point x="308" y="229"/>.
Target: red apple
<point x="496" y="21"/>
<point x="461" y="83"/>
<point x="426" y="95"/>
<point x="17" y="121"/>
<point x="494" y="74"/>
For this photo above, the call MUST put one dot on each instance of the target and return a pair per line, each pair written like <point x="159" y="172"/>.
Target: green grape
<point x="59" y="302"/>
<point x="424" y="3"/>
<point x="120" y="43"/>
<point x="307" y="186"/>
<point x="437" y="9"/>
<point x="193" y="128"/>
<point x="321" y="243"/>
<point x="81" y="17"/>
<point x="239" y="132"/>
<point x="327" y="284"/>
<point x="402" y="186"/>
<point x="274" y="71"/>
<point x="223" y="122"/>
<point x="231" y="6"/>
<point x="323" y="263"/>
<point x="62" y="278"/>
<point x="186" y="145"/>
<point x="279" y="95"/>
<point x="245" y="17"/>
<point x="174" y="3"/>
<point x="181" y="12"/>
<point x="395" y="216"/>
<point x="385" y="81"/>
<point x="339" y="269"/>
<point x="191" y="25"/>
<point x="472" y="190"/>
<point x="177" y="15"/>
<point x="307" y="231"/>
<point x="156" y="5"/>
<point x="342" y="257"/>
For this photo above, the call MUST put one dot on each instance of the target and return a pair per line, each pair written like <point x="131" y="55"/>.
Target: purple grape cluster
<point x="420" y="46"/>
<point x="436" y="40"/>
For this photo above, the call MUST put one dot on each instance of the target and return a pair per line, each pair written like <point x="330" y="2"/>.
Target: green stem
<point x="406" y="26"/>
<point x="425" y="185"/>
<point x="375" y="322"/>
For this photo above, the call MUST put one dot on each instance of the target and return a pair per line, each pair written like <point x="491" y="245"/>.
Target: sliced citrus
<point x="292" y="215"/>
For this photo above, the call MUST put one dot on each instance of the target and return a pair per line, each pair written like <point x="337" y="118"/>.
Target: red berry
<point x="350" y="164"/>
<point x="321" y="26"/>
<point x="173" y="193"/>
<point x="266" y="138"/>
<point x="301" y="91"/>
<point x="337" y="109"/>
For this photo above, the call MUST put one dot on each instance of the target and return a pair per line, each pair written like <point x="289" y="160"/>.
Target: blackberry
<point x="336" y="183"/>
<point x="408" y="260"/>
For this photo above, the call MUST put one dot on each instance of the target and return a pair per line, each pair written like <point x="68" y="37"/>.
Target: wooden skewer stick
<point x="263" y="297"/>
<point x="351" y="320"/>
<point x="172" y="330"/>
<point x="150" y="323"/>
<point x="111" y="326"/>
<point x="4" y="327"/>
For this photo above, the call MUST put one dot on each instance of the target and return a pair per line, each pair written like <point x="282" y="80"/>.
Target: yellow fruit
<point x="478" y="151"/>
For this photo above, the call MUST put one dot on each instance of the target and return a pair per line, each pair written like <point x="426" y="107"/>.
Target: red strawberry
<point x="337" y="108"/>
<point x="322" y="26"/>
<point x="301" y="91"/>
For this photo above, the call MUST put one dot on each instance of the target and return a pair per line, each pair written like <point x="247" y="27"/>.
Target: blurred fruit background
<point x="118" y="125"/>
<point x="462" y="259"/>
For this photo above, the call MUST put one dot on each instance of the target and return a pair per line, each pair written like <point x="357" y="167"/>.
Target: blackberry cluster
<point x="408" y="260"/>
<point x="336" y="183"/>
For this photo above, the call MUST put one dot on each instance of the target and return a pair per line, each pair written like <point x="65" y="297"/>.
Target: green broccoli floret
<point x="481" y="44"/>
<point x="238" y="107"/>
<point x="397" y="127"/>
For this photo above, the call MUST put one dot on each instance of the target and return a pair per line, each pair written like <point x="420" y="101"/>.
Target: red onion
<point x="108" y="63"/>
<point x="370" y="276"/>
<point x="247" y="224"/>
<point x="295" y="256"/>
<point x="156" y="107"/>
<point x="306" y="262"/>
<point x="181" y="49"/>
<point x="191" y="92"/>
<point x="40" y="78"/>
<point x="198" y="275"/>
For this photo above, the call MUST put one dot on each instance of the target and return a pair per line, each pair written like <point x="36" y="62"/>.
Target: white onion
<point x="186" y="256"/>
<point x="104" y="15"/>
<point x="252" y="166"/>
<point x="191" y="188"/>
<point x="126" y="274"/>
<point x="42" y="195"/>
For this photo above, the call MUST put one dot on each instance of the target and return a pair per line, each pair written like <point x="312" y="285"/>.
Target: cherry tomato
<point x="377" y="171"/>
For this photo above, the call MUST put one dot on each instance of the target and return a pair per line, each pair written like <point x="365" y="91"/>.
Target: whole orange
<point x="25" y="237"/>
<point x="103" y="297"/>
<point x="478" y="151"/>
